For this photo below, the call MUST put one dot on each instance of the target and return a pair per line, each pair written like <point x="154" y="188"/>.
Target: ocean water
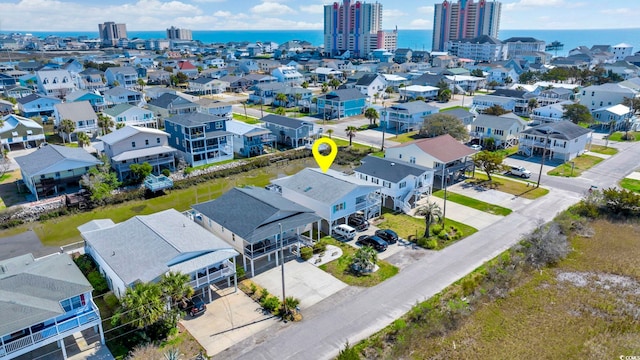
<point x="414" y="39"/>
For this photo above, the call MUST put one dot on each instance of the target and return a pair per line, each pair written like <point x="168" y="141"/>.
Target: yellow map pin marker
<point x="324" y="161"/>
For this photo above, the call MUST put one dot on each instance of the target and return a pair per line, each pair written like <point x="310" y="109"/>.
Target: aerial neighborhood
<point x="177" y="177"/>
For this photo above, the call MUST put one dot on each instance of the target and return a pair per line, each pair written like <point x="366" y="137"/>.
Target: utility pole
<point x="284" y="298"/>
<point x="544" y="153"/>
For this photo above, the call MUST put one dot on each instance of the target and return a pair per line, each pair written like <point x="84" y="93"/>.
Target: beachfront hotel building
<point x="356" y="27"/>
<point x="464" y="20"/>
<point x="111" y="32"/>
<point x="174" y="33"/>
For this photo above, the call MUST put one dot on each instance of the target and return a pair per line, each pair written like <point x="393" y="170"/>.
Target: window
<point x="219" y="125"/>
<point x="133" y="144"/>
<point x="386" y="184"/>
<point x="157" y="140"/>
<point x="400" y="156"/>
<point x="146" y="141"/>
<point x="339" y="207"/>
<point x="402" y="185"/>
<point x="233" y="237"/>
<point x="412" y="159"/>
<point x="375" y="180"/>
<point x="498" y="132"/>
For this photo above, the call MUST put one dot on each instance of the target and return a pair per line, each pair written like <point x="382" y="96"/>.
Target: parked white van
<point x="345" y="232"/>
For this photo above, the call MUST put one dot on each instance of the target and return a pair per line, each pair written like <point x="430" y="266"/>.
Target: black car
<point x="358" y="223"/>
<point x="198" y="306"/>
<point x="373" y="241"/>
<point x="387" y="235"/>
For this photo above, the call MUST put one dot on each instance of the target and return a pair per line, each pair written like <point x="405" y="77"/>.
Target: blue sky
<point x="85" y="15"/>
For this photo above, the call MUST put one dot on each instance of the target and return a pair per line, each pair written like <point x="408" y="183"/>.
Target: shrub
<point x="432" y="244"/>
<point x="253" y="288"/>
<point x="436" y="229"/>
<point x="111" y="300"/>
<point x="319" y="247"/>
<point x="270" y="303"/>
<point x="166" y="172"/>
<point x="306" y="253"/>
<point x="11" y="223"/>
<point x="98" y="282"/>
<point x="443" y="235"/>
<point x="264" y="295"/>
<point x="348" y="353"/>
<point x="85" y="264"/>
<point x="240" y="273"/>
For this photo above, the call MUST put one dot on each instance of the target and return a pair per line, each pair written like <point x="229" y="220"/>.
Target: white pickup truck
<point x="519" y="171"/>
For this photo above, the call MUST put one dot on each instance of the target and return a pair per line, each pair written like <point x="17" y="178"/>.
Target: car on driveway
<point x="387" y="235"/>
<point x="373" y="241"/>
<point x="195" y="306"/>
<point x="357" y="222"/>
<point x="519" y="171"/>
<point x="476" y="147"/>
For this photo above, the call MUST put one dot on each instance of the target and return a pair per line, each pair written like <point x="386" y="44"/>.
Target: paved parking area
<point x="230" y="318"/>
<point x="490" y="196"/>
<point x="532" y="164"/>
<point x="303" y="280"/>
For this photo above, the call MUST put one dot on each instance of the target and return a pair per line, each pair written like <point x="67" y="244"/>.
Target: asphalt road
<point x="353" y="314"/>
<point x="24" y="243"/>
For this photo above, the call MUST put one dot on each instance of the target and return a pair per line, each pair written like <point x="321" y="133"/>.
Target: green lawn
<point x="354" y="144"/>
<point x="206" y="166"/>
<point x="406" y="137"/>
<point x="454" y="107"/>
<point x="525" y="189"/>
<point x="408" y="226"/>
<point x="631" y="184"/>
<point x="617" y="136"/>
<point x="63" y="230"/>
<point x="605" y="150"/>
<point x="247" y="119"/>
<point x="473" y="203"/>
<point x="582" y="163"/>
<point x="340" y="268"/>
<point x="508" y="151"/>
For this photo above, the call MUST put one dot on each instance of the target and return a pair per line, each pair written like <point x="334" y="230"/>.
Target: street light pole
<point x="444" y="208"/>
<point x="544" y="153"/>
<point x="384" y="127"/>
<point x="284" y="298"/>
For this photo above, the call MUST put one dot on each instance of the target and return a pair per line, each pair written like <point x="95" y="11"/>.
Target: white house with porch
<point x="405" y="117"/>
<point x="332" y="195"/>
<point x="562" y="140"/>
<point x="403" y="184"/>
<point x="43" y="301"/>
<point x="504" y="129"/>
<point x="251" y="220"/>
<point x="146" y="247"/>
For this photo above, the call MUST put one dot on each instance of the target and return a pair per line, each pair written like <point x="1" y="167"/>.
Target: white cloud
<point x="221" y="13"/>
<point x="272" y="8"/>
<point x="420" y="24"/>
<point x="425" y="9"/>
<point x="208" y="1"/>
<point x="312" y="9"/>
<point x="393" y="13"/>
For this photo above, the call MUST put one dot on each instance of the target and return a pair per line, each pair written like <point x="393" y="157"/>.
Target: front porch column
<point x="101" y="331"/>
<point x="319" y="223"/>
<point x="209" y="288"/>
<point x="244" y="262"/>
<point x="235" y="276"/>
<point x="64" y="350"/>
<point x="252" y="268"/>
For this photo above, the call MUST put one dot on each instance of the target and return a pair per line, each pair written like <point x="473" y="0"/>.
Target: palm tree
<point x="431" y="211"/>
<point x="143" y="304"/>
<point x="141" y="84"/>
<point x="532" y="104"/>
<point x="67" y="126"/>
<point x="375" y="98"/>
<point x="372" y="115"/>
<point x="281" y="98"/>
<point x="83" y="139"/>
<point x="351" y="133"/>
<point x="364" y="259"/>
<point x="176" y="286"/>
<point x="105" y="123"/>
<point x="120" y="125"/>
<point x="334" y="83"/>
<point x="297" y="97"/>
<point x="329" y="132"/>
<point x="325" y="87"/>
<point x="281" y="111"/>
<point x="314" y="78"/>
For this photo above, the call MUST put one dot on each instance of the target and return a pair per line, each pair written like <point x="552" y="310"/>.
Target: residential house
<point x="521" y="97"/>
<point x="334" y="196"/>
<point x="248" y="66"/>
<point x="465" y="116"/>
<point x="288" y="75"/>
<point x="405" y="117"/>
<point x="200" y="138"/>
<point x="258" y="223"/>
<point x="255" y="79"/>
<point x="145" y="247"/>
<point x="413" y="92"/>
<point x="6" y="107"/>
<point x="187" y="68"/>
<point x="402" y="55"/>
<point x="44" y="301"/>
<point x="483" y="102"/>
<point x="53" y="168"/>
<point x="550" y="113"/>
<point x="18" y="132"/>
<point x="598" y="96"/>
<point x="159" y="77"/>
<point x="54" y="83"/>
<point x="6" y="81"/>
<point x="92" y="79"/>
<point x="167" y="105"/>
<point x="370" y="85"/>
<point x="96" y="100"/>
<point x="324" y="74"/>
<point x="341" y="103"/>
<point x="403" y="183"/>
<point x="250" y="140"/>
<point x="124" y="76"/>
<point x="504" y="129"/>
<point x="207" y="86"/>
<point x="552" y="96"/>
<point x="561" y="140"/>
<point x="446" y="155"/>
<point x="483" y="48"/>
<point x="81" y="113"/>
<point x="621" y="51"/>
<point x="37" y="105"/>
<point x="137" y="145"/>
<point x="17" y="91"/>
<point x="119" y="95"/>
<point x="464" y="83"/>
<point x="623" y="69"/>
<point x="499" y="74"/>
<point x="215" y="107"/>
<point x="289" y="131"/>
<point x="395" y="81"/>
<point x="616" y="116"/>
<point x="236" y="83"/>
<point x="127" y="114"/>
<point x="266" y="93"/>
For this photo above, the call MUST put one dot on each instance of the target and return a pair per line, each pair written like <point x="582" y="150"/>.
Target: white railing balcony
<point x="545" y="118"/>
<point x="226" y="271"/>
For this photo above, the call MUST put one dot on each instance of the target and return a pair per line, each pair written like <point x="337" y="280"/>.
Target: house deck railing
<point x="226" y="270"/>
<point x="157" y="183"/>
<point x="274" y="246"/>
<point x="56" y="330"/>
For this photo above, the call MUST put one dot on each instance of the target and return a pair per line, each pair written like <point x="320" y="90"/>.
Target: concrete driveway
<point x="303" y="280"/>
<point x="490" y="196"/>
<point x="230" y="318"/>
<point x="464" y="214"/>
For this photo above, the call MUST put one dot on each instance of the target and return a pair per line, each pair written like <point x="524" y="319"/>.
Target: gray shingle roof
<point x="29" y="98"/>
<point x="254" y="213"/>
<point x="193" y="119"/>
<point x="284" y="121"/>
<point x="366" y="79"/>
<point x="81" y="110"/>
<point x="497" y="122"/>
<point x="414" y="107"/>
<point x="53" y="158"/>
<point x="146" y="246"/>
<point x="564" y="130"/>
<point x="459" y="113"/>
<point x="315" y="184"/>
<point x="31" y="290"/>
<point x="166" y="99"/>
<point x="390" y="170"/>
<point x="345" y="94"/>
